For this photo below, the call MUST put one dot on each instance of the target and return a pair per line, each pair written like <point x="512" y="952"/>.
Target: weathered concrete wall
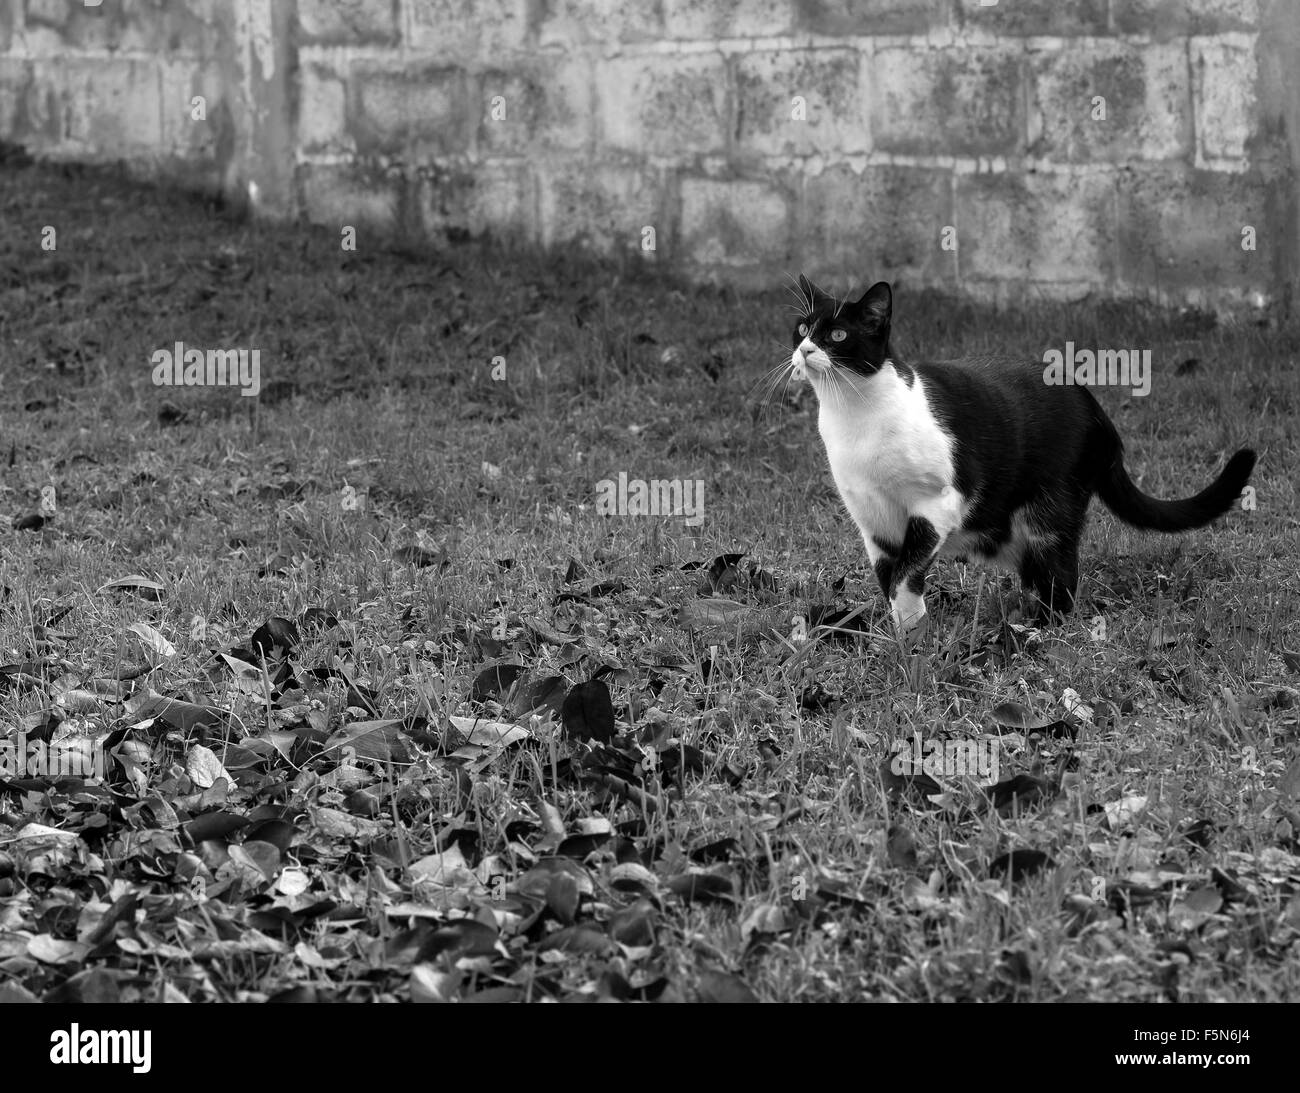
<point x="117" y="81"/>
<point x="1131" y="147"/>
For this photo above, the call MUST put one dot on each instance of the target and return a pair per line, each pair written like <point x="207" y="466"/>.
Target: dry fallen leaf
<point x="204" y="768"/>
<point x="382" y="741"/>
<point x="51" y="950"/>
<point x="292" y="882"/>
<point x="486" y="734"/>
<point x="552" y="826"/>
<point x="153" y="640"/>
<point x="134" y="582"/>
<point x="335" y="824"/>
<point x="430" y="983"/>
<point x="1122" y="812"/>
<point x="185" y="716"/>
<point x="34" y="838"/>
<point x="446" y="869"/>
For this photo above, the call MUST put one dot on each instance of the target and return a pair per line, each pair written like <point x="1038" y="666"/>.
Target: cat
<point x="979" y="456"/>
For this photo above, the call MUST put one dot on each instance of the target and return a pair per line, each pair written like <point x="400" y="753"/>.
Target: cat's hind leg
<point x="1051" y="569"/>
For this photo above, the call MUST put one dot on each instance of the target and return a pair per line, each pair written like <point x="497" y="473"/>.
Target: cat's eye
<point x="803" y="330"/>
<point x="838" y="335"/>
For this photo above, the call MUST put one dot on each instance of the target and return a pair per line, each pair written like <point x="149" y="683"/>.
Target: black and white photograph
<point x="689" y="501"/>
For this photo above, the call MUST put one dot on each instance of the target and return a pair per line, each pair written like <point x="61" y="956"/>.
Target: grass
<point x="743" y="832"/>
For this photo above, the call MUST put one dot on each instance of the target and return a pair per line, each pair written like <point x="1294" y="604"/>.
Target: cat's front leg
<point x="883" y="559"/>
<point x="906" y="591"/>
<point x="907" y="604"/>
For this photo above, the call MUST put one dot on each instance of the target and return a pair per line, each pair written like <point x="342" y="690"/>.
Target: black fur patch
<point x="920" y="541"/>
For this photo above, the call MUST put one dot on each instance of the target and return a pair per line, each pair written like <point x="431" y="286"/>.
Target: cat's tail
<point x="1134" y="507"/>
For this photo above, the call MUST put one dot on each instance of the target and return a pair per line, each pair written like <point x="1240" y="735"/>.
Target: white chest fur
<point x="888" y="454"/>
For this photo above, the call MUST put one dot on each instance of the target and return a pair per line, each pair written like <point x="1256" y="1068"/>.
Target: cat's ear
<point x="877" y="305"/>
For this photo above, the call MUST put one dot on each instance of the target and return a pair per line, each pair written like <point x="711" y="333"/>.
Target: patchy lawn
<point x="387" y="710"/>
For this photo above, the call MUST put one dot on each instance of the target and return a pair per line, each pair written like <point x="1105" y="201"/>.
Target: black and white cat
<point x="978" y="456"/>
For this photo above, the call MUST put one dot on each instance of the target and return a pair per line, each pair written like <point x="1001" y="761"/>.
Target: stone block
<point x="712" y="19"/>
<point x="872" y="18"/>
<point x="957" y="102"/>
<point x="210" y="136"/>
<point x="1179" y="18"/>
<point x="545" y="103"/>
<point x="1048" y="18"/>
<point x="15" y="82"/>
<point x="190" y="27"/>
<point x="664" y="106"/>
<point x="348" y="22"/>
<point x="322" y="110"/>
<point x="603" y="207"/>
<point x="468" y="30"/>
<point x="1181" y="232"/>
<point x="801" y="102"/>
<point x="493" y="198"/>
<point x="584" y="22"/>
<point x="1224" y="75"/>
<point x="343" y="196"/>
<point x="735" y="222"/>
<point x="418" y="112"/>
<point x="101" y="107"/>
<point x="885" y="223"/>
<point x="1144" y="97"/>
<point x="1036" y="228"/>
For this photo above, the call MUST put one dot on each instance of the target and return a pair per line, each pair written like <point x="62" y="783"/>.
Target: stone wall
<point x="1057" y="147"/>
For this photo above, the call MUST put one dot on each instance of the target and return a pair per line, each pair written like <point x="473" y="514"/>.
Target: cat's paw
<point x="908" y="611"/>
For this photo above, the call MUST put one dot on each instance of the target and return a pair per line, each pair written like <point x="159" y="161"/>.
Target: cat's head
<point x="837" y="333"/>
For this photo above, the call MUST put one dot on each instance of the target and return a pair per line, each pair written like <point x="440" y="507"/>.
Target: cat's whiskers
<point x="804" y="297"/>
<point x="849" y="377"/>
<point x="840" y="378"/>
<point x="840" y="383"/>
<point x="826" y="384"/>
<point x="765" y="388"/>
<point x="785" y="387"/>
